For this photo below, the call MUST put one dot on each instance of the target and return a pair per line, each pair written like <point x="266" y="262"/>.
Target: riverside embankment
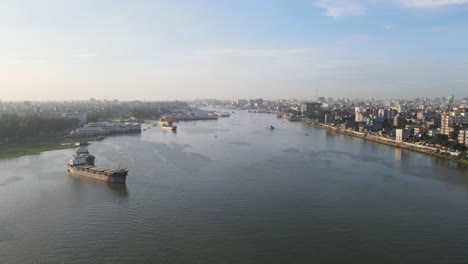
<point x="390" y="142"/>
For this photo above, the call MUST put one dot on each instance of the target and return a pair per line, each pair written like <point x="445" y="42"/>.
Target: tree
<point x="15" y="127"/>
<point x="454" y="134"/>
<point x="441" y="139"/>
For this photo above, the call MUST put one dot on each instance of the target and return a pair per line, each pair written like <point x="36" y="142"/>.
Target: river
<point x="232" y="191"/>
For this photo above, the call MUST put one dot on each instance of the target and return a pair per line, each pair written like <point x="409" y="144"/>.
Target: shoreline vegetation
<point x="37" y="145"/>
<point x="27" y="148"/>
<point x="389" y="142"/>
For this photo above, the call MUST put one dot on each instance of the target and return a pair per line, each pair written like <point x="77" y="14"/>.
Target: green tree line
<point x="15" y="127"/>
<point x="443" y="140"/>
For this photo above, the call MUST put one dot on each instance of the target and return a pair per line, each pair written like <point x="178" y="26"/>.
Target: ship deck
<point x="98" y="169"/>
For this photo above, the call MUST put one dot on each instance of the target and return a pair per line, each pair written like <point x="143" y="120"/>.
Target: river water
<point x="232" y="191"/>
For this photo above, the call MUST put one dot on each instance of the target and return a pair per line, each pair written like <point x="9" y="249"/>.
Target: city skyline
<point x="143" y="50"/>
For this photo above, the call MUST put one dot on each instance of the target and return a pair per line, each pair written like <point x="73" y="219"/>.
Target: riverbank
<point x="37" y="145"/>
<point x="390" y="142"/>
<point x="30" y="147"/>
<point x="19" y="150"/>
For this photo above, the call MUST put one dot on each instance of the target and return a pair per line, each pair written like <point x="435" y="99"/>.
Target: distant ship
<point x="82" y="164"/>
<point x="167" y="124"/>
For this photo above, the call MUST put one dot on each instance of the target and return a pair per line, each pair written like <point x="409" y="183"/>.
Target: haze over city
<point x="167" y="50"/>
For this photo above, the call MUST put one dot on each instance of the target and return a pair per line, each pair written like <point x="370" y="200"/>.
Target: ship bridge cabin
<point x="83" y="149"/>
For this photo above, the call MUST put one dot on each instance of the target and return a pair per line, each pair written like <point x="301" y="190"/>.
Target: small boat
<point x="271" y="127"/>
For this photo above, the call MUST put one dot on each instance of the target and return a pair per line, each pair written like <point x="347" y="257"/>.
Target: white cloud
<point x="346" y="8"/>
<point x="431" y="3"/>
<point x="340" y="9"/>
<point x="388" y="27"/>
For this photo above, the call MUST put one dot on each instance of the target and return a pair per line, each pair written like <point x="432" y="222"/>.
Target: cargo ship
<point x="167" y="124"/>
<point x="82" y="164"/>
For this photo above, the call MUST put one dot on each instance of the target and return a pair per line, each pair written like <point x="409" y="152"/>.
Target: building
<point x="307" y="108"/>
<point x="359" y="117"/>
<point x="421" y="115"/>
<point x="386" y="113"/>
<point x="463" y="137"/>
<point x="401" y="134"/>
<point x="397" y="120"/>
<point x="80" y="116"/>
<point x="420" y="131"/>
<point x="450" y="99"/>
<point x="256" y="103"/>
<point x="242" y="102"/>
<point x="448" y="120"/>
<point x="330" y="118"/>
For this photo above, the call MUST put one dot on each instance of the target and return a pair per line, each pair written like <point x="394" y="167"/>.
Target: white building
<point x="401" y="134"/>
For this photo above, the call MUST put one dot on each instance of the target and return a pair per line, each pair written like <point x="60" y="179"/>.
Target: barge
<point x="82" y="164"/>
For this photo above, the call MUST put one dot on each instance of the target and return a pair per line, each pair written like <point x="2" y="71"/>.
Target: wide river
<point x="232" y="191"/>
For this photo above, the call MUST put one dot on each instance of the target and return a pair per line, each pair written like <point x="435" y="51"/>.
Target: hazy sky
<point x="158" y="50"/>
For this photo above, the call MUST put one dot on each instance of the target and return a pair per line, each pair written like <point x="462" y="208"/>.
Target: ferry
<point x="167" y="124"/>
<point x="82" y="164"/>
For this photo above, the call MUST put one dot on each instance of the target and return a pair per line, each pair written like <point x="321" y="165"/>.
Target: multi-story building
<point x="421" y="115"/>
<point x="242" y="102"/>
<point x="448" y="120"/>
<point x="310" y="107"/>
<point x="329" y="118"/>
<point x="256" y="103"/>
<point x="463" y="137"/>
<point x="397" y="120"/>
<point x="420" y="131"/>
<point x="401" y="134"/>
<point x="387" y="113"/>
<point x="359" y="117"/>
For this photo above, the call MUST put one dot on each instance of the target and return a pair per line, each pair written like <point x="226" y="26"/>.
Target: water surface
<point x="232" y="191"/>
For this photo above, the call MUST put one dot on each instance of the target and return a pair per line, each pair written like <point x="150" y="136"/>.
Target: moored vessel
<point x="167" y="124"/>
<point x="82" y="164"/>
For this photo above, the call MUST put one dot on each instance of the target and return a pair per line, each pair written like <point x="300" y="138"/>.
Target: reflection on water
<point x="5" y="232"/>
<point x="116" y="188"/>
<point x="398" y="154"/>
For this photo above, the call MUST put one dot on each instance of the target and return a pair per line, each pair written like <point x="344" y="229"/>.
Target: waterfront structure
<point x="105" y="128"/>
